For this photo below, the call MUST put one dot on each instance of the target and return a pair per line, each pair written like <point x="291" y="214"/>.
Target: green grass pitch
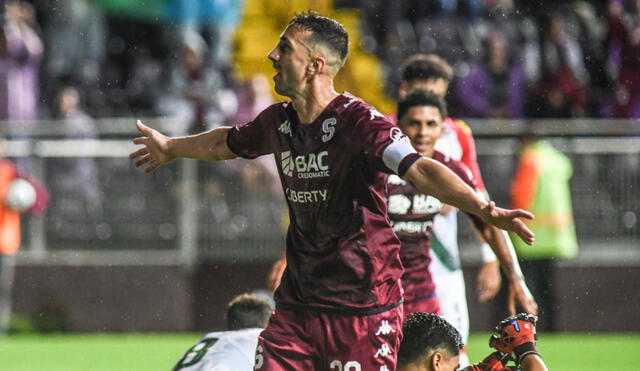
<point x="564" y="352"/>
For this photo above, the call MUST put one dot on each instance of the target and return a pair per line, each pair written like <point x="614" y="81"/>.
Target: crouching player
<point x="232" y="350"/>
<point x="420" y="117"/>
<point x="431" y="343"/>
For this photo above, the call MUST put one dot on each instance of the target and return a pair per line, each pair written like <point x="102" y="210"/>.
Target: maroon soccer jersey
<point x="412" y="214"/>
<point x="341" y="250"/>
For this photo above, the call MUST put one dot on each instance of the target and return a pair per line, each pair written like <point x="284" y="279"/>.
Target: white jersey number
<point x="259" y="357"/>
<point x="349" y="366"/>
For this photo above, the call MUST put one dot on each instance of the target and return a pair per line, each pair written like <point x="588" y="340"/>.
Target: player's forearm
<point x="210" y="146"/>
<point x="497" y="240"/>
<point x="435" y="179"/>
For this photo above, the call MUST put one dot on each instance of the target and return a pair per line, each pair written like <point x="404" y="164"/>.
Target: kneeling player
<point x="234" y="349"/>
<point x="420" y="117"/>
<point x="431" y="343"/>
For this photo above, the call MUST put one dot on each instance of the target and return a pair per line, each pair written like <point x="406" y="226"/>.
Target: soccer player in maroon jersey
<point x="339" y="303"/>
<point x="432" y="73"/>
<point x="420" y="117"/>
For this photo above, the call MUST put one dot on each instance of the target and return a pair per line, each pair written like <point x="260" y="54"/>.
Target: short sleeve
<point x="253" y="139"/>
<point x="384" y="145"/>
<point x="469" y="154"/>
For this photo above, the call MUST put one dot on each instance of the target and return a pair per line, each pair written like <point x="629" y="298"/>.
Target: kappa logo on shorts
<point x="384" y="351"/>
<point x="385" y="329"/>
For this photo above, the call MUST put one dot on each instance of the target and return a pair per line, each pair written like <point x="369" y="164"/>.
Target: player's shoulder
<point x="357" y="110"/>
<point x="458" y="126"/>
<point x="272" y="113"/>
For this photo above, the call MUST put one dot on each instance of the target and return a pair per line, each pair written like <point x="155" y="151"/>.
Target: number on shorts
<point x="349" y="366"/>
<point x="195" y="354"/>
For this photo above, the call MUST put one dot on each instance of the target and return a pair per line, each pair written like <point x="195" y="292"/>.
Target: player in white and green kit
<point x="232" y="350"/>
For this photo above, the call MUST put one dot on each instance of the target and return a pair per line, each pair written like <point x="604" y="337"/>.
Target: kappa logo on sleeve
<point x="285" y="128"/>
<point x="373" y="113"/>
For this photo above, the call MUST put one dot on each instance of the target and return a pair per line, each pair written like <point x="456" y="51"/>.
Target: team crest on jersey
<point x="328" y="127"/>
<point x="285" y="128"/>
<point x="396" y="135"/>
<point x="312" y="165"/>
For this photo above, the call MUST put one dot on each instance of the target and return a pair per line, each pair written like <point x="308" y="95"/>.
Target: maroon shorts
<point x="429" y="304"/>
<point x="304" y="339"/>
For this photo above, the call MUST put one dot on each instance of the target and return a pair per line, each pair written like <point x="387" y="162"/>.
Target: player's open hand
<point x="520" y="295"/>
<point x="509" y="220"/>
<point x="155" y="152"/>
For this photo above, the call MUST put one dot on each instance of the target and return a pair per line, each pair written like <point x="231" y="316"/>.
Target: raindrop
<point x="629" y="219"/>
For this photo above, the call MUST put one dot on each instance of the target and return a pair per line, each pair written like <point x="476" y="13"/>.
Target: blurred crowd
<point x="517" y="58"/>
<point x="71" y="59"/>
<point x="512" y="58"/>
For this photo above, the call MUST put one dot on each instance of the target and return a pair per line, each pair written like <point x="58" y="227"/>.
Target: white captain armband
<point x="395" y="153"/>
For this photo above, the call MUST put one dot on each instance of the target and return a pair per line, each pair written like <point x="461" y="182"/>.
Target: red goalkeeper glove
<point x="494" y="362"/>
<point x="516" y="335"/>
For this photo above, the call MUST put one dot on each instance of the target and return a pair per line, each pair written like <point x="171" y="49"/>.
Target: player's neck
<point x="312" y="101"/>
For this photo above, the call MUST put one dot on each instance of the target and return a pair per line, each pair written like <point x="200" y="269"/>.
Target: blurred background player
<point x="420" y="117"/>
<point x="234" y="349"/>
<point x="19" y="194"/>
<point x="339" y="221"/>
<point x="434" y="74"/>
<point x="430" y="343"/>
<point x="541" y="184"/>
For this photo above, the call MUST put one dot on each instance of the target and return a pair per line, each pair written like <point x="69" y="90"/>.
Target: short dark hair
<point x="424" y="333"/>
<point x="426" y="67"/>
<point x="421" y="97"/>
<point x="248" y="311"/>
<point x="324" y="31"/>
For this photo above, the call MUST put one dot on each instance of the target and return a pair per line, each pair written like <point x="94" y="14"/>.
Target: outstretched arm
<point x="160" y="149"/>
<point x="435" y="179"/>
<point x="518" y="291"/>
